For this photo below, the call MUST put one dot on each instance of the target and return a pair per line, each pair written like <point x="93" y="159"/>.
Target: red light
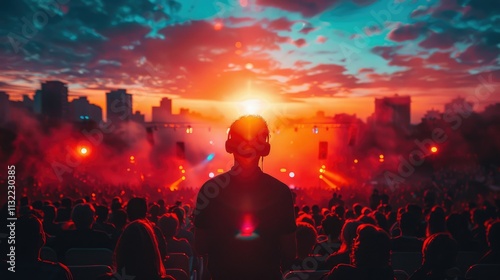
<point x="84" y="151"/>
<point x="218" y="25"/>
<point x="434" y="150"/>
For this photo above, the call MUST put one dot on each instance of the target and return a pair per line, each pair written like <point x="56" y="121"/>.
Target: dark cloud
<point x="306" y="8"/>
<point x="405" y="32"/>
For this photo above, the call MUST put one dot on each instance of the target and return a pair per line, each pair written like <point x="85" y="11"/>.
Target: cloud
<point x="406" y="32"/>
<point x="306" y="8"/>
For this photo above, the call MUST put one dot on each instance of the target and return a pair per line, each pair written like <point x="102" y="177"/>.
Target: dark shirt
<point x="80" y="239"/>
<point x="36" y="270"/>
<point x="443" y="274"/>
<point x="350" y="272"/>
<point x="244" y="219"/>
<point x="406" y="244"/>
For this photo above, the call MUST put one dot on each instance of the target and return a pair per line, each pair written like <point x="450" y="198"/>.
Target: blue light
<point x="210" y="156"/>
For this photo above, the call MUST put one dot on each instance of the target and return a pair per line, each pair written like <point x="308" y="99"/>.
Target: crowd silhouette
<point x="251" y="226"/>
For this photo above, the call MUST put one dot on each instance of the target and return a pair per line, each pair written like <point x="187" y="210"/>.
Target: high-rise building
<point x="4" y="106"/>
<point x="393" y="110"/>
<point x="118" y="106"/>
<point x="81" y="109"/>
<point x="54" y="99"/>
<point x="163" y="113"/>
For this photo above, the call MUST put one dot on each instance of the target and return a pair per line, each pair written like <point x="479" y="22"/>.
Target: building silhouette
<point x="81" y="110"/>
<point x="118" y="106"/>
<point x="138" y="117"/>
<point x="4" y="106"/>
<point x="162" y="113"/>
<point x="53" y="100"/>
<point x="394" y="110"/>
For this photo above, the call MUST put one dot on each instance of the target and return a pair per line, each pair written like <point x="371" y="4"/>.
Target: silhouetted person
<point x="181" y="232"/>
<point x="137" y="209"/>
<point x="83" y="216"/>
<point x="101" y="222"/>
<point x="244" y="219"/>
<point x="343" y="255"/>
<point x="306" y="239"/>
<point x="407" y="241"/>
<point x="370" y="257"/>
<point x="332" y="226"/>
<point x="169" y="225"/>
<point x="316" y="215"/>
<point x="374" y="199"/>
<point x="30" y="238"/>
<point x="333" y="201"/>
<point x="439" y="253"/>
<point x="49" y="220"/>
<point x="493" y="237"/>
<point x="458" y="227"/>
<point x="136" y="255"/>
<point x="436" y="222"/>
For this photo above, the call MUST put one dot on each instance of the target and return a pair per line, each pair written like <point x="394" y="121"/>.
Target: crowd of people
<point x="350" y="241"/>
<point x="246" y="224"/>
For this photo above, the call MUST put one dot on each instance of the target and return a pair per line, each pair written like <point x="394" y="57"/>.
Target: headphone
<point x="261" y="149"/>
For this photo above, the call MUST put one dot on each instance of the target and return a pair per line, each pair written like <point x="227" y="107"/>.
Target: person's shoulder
<point x="275" y="183"/>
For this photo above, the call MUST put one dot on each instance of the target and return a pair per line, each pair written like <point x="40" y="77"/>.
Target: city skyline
<point x="293" y="58"/>
<point x="118" y="108"/>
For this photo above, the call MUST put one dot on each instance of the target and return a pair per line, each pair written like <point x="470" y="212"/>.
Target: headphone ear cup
<point x="265" y="150"/>
<point x="230" y="146"/>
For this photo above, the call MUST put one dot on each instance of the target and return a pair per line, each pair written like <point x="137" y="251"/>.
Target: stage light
<point x="211" y="174"/>
<point x="323" y="166"/>
<point x="283" y="170"/>
<point x="381" y="156"/>
<point x="84" y="151"/>
<point x="291" y="174"/>
<point x="132" y="158"/>
<point x="210" y="156"/>
<point x="180" y="167"/>
<point x="381" y="160"/>
<point x="434" y="149"/>
<point x="183" y="178"/>
<point x="183" y="171"/>
<point x="220" y="170"/>
<point x="321" y="176"/>
<point x="356" y="161"/>
<point x="315" y="130"/>
<point x="189" y="129"/>
<point x="321" y="170"/>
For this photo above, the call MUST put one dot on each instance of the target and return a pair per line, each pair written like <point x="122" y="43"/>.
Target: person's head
<point x="372" y="247"/>
<point x="137" y="208"/>
<point x="408" y="224"/>
<point x="49" y="213"/>
<point x="332" y="225"/>
<point x="83" y="215"/>
<point x="30" y="237"/>
<point x="119" y="219"/>
<point x="168" y="224"/>
<point x="102" y="213"/>
<point x="306" y="209"/>
<point x="179" y="212"/>
<point x="357" y="209"/>
<point x="248" y="140"/>
<point x="493" y="236"/>
<point x="348" y="234"/>
<point x="436" y="221"/>
<point x="137" y="252"/>
<point x="305" y="218"/>
<point x="479" y="217"/>
<point x="339" y="211"/>
<point x="154" y="210"/>
<point x="439" y="251"/>
<point x="306" y="239"/>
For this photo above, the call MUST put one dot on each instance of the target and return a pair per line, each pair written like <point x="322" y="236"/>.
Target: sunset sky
<point x="291" y="57"/>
